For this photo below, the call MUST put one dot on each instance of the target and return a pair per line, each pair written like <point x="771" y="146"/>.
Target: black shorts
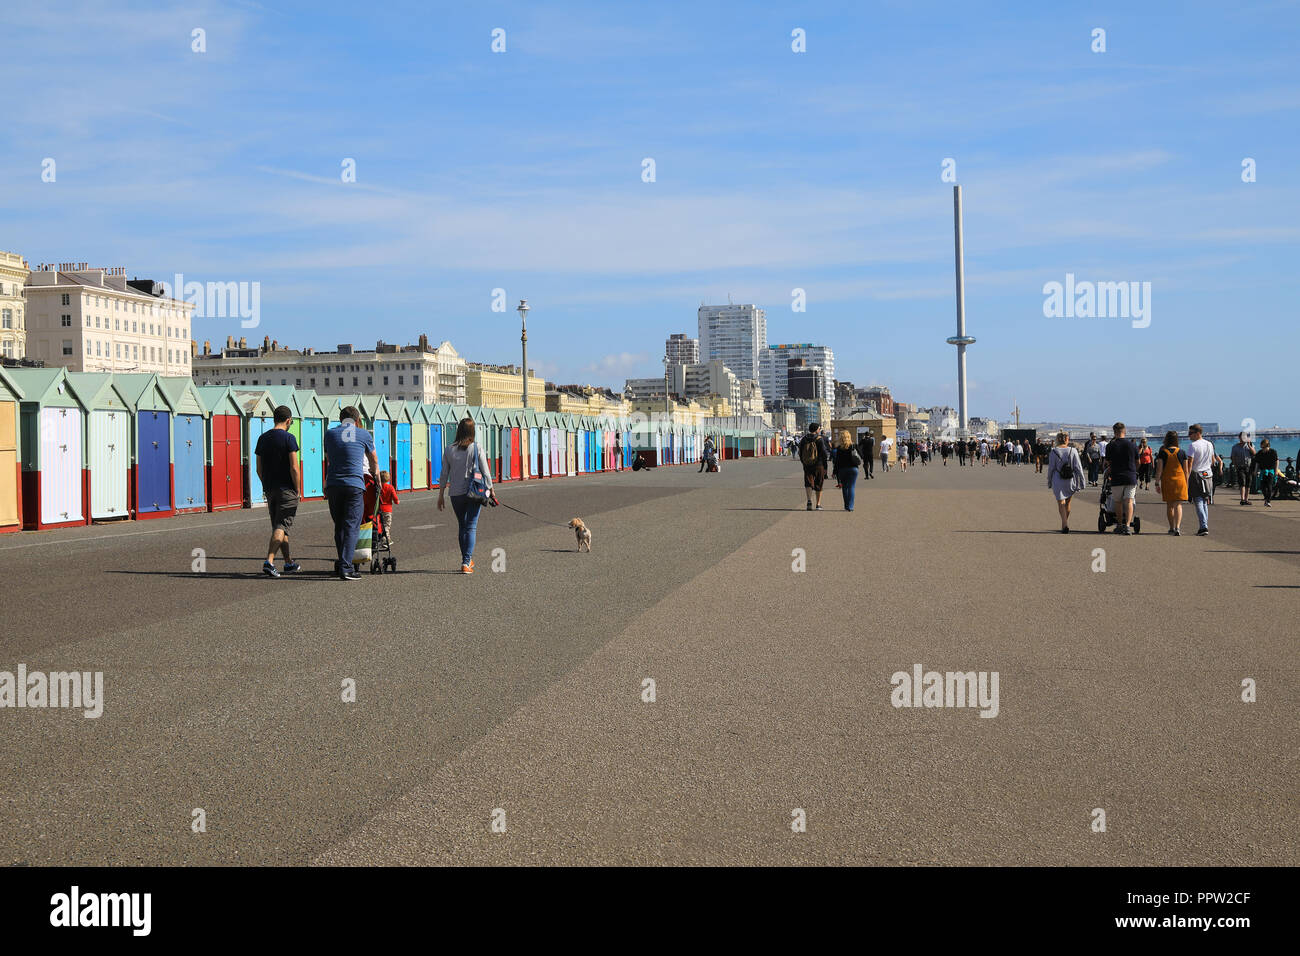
<point x="282" y="503"/>
<point x="814" y="477"/>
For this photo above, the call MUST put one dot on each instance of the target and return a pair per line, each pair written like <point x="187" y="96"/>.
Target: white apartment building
<point x="97" y="320"/>
<point x="405" y="373"/>
<point x="698" y="381"/>
<point x="681" y="349"/>
<point x="13" y="324"/>
<point x="774" y="363"/>
<point x="735" y="335"/>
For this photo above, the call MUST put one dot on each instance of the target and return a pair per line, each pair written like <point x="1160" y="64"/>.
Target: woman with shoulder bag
<point x="1064" y="477"/>
<point x="470" y="488"/>
<point x="848" y="461"/>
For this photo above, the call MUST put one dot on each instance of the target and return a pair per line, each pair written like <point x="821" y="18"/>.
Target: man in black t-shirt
<point x="280" y="472"/>
<point x="1122" y="469"/>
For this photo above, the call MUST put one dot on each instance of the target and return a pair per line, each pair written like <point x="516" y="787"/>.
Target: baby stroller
<point x="381" y="544"/>
<point x="1106" y="513"/>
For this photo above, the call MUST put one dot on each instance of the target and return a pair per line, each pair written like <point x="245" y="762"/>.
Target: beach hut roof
<point x="46" y="386"/>
<point x="218" y="400"/>
<point x="10" y="385"/>
<point x="98" y="390"/>
<point x="142" y="390"/>
<point x="181" y="395"/>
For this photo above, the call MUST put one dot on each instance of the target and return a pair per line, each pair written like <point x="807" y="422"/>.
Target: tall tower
<point x="961" y="339"/>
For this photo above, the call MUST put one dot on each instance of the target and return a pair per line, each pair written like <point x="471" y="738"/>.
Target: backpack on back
<point x="1065" y="469"/>
<point x="810" y="453"/>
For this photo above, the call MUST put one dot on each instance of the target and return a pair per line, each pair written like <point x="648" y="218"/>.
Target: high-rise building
<point x="681" y="349"/>
<point x="735" y="335"/>
<point x="13" y="324"/>
<point x="774" y="364"/>
<point x="97" y="320"/>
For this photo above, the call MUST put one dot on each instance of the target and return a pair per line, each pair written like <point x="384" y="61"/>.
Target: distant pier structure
<point x="961" y="339"/>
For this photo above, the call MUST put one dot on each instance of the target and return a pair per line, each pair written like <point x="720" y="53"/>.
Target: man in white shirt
<point x="1200" y="481"/>
<point x="886" y="443"/>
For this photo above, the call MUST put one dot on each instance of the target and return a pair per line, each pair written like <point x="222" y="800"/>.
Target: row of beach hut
<point x="81" y="447"/>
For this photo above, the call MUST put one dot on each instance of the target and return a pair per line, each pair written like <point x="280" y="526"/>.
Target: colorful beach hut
<point x="189" y="442"/>
<point x="419" y="445"/>
<point x="151" y="464"/>
<point x="225" y="447"/>
<point x="51" y="425"/>
<point x="106" y="445"/>
<point x="11" y="469"/>
<point x="256" y="416"/>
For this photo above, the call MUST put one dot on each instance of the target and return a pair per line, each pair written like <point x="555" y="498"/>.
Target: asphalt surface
<point x="521" y="691"/>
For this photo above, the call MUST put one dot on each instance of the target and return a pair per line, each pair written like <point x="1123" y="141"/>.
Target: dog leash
<point x="527" y="515"/>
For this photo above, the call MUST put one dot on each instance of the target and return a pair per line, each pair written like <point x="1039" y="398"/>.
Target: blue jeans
<point x="849" y="483"/>
<point x="346" y="505"/>
<point x="1202" y="511"/>
<point x="467" y="510"/>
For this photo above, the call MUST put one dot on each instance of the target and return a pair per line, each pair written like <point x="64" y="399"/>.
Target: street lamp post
<point x="523" y="338"/>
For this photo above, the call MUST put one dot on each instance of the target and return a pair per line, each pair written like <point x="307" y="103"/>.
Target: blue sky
<point x="774" y="171"/>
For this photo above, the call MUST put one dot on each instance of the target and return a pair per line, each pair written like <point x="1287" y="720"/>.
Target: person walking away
<point x="387" y="499"/>
<point x="1242" y="457"/>
<point x="1122" y="467"/>
<point x="349" y="449"/>
<point x="708" y="454"/>
<point x="814" y="455"/>
<point x="961" y="453"/>
<point x="280" y="472"/>
<point x="885" y="444"/>
<point x="1200" y="477"/>
<point x="1064" y="477"/>
<point x="848" y="463"/>
<point x="904" y="455"/>
<point x="1092" y="452"/>
<point x="1145" y="461"/>
<point x="1265" y="462"/>
<point x="1172" y="467"/>
<point x="462" y="461"/>
<point x="867" y="449"/>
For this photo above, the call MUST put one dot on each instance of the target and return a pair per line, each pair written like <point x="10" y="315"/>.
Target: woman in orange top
<point x="1145" y="460"/>
<point x="1172" y="467"/>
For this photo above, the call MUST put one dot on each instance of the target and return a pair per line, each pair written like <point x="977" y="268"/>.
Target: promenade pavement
<point x="522" y="691"/>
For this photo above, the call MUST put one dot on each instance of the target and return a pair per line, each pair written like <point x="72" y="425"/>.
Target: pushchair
<point x="1106" y="509"/>
<point x="381" y="542"/>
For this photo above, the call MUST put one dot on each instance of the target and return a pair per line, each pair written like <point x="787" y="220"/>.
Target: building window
<point x="297" y="383"/>
<point x="7" y="349"/>
<point x="313" y="382"/>
<point x="354" y="381"/>
<point x="67" y="346"/>
<point x="135" y="326"/>
<point x="136" y="350"/>
<point x="340" y="383"/>
<point x="385" y="379"/>
<point x="401" y="380"/>
<point x="66" y="299"/>
<point x="97" y="351"/>
<point x="370" y="380"/>
<point x="283" y="382"/>
<point x="119" y="349"/>
<point x="7" y="319"/>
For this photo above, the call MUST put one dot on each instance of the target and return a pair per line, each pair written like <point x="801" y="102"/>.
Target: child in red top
<point x="387" y="499"/>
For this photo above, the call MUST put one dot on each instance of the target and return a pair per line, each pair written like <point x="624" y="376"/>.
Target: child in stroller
<point x="378" y="501"/>
<point x="1106" y="513"/>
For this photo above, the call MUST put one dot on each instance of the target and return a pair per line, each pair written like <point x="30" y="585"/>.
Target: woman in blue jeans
<point x="847" y="463"/>
<point x="460" y="461"/>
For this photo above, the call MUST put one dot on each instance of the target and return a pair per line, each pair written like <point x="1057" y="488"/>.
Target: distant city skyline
<point x="790" y="180"/>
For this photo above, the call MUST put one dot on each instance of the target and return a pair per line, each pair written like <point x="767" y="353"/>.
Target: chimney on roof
<point x="424" y="342"/>
<point x="207" y="347"/>
<point x="266" y="343"/>
<point x="275" y="345"/>
<point x="243" y="342"/>
<point x="230" y="341"/>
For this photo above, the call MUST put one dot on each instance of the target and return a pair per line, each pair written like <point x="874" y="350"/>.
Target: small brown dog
<point x="580" y="531"/>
